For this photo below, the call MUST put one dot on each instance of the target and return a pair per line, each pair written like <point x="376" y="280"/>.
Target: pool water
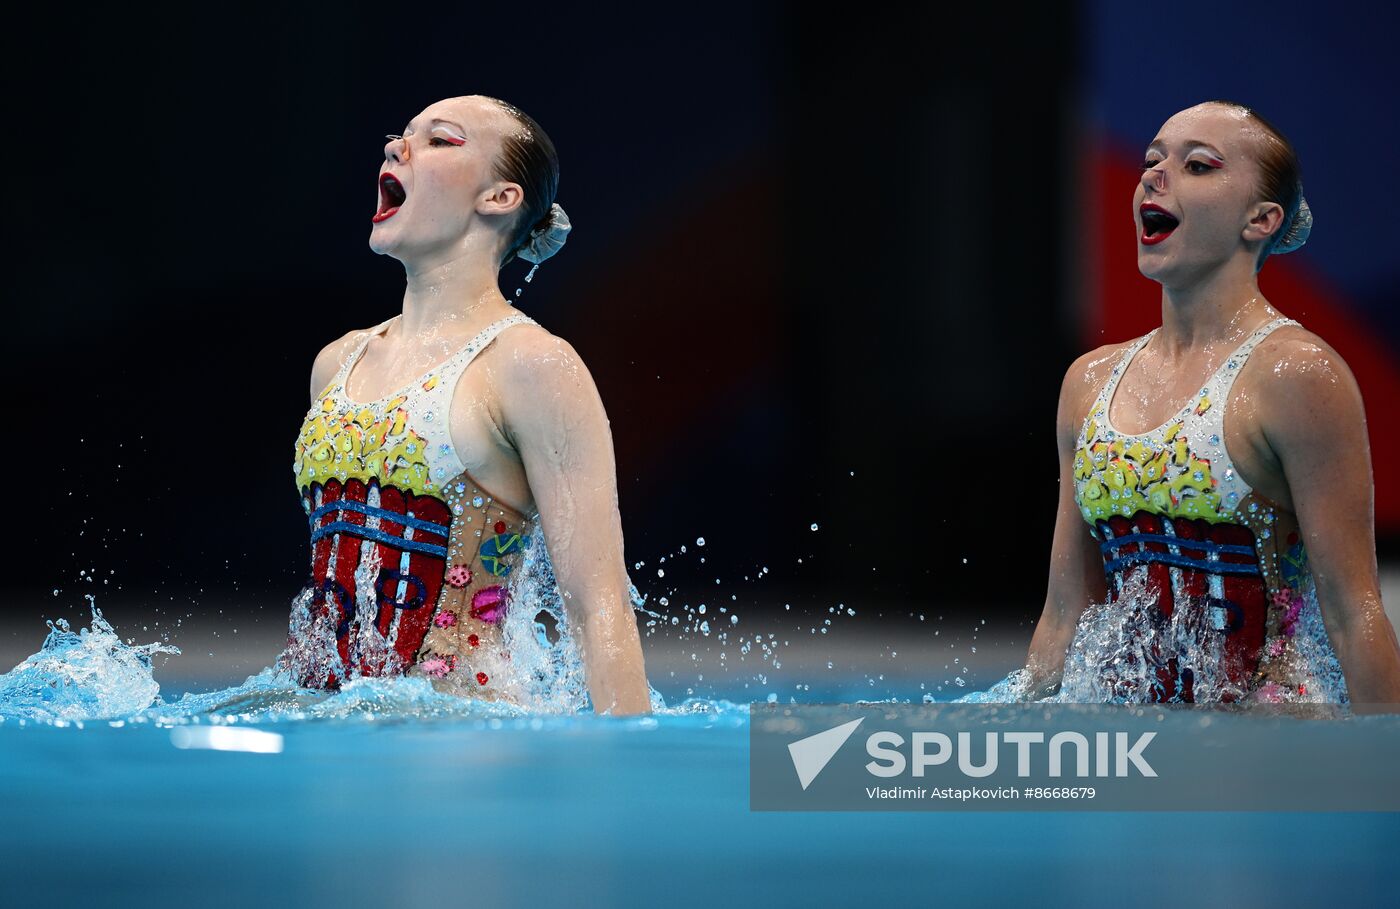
<point x="386" y="793"/>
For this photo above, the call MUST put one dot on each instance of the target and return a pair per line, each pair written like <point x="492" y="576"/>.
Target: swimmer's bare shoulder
<point x="330" y="359"/>
<point x="1082" y="382"/>
<point x="1291" y="353"/>
<point x="529" y="366"/>
<point x="525" y="344"/>
<point x="534" y="381"/>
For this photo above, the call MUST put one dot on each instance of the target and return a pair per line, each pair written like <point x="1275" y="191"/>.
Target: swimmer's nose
<point x="1154" y="178"/>
<point x="396" y="149"/>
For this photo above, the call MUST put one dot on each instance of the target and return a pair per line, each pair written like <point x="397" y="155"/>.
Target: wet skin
<point x="526" y="416"/>
<point x="1294" y="425"/>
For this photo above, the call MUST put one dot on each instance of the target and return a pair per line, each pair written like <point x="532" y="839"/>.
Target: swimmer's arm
<point x="1076" y="568"/>
<point x="551" y="411"/>
<point x="1314" y="421"/>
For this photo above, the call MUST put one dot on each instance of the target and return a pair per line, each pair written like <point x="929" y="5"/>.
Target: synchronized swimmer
<point x="443" y="441"/>
<point x="1221" y="539"/>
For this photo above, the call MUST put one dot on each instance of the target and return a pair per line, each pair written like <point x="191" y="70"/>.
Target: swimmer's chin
<point x="1154" y="271"/>
<point x="382" y="246"/>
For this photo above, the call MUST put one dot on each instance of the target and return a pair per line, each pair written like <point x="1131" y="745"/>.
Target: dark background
<point x="825" y="270"/>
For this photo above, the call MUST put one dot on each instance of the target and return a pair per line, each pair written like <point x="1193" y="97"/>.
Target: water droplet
<point x="814" y="526"/>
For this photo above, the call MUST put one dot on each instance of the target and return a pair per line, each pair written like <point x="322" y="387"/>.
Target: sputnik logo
<point x="812" y="754"/>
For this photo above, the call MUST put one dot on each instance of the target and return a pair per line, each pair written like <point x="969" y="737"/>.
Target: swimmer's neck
<point x="1221" y="309"/>
<point x="453" y="289"/>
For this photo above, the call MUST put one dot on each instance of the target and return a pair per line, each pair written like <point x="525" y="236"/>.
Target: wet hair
<point x="1280" y="175"/>
<point x="528" y="158"/>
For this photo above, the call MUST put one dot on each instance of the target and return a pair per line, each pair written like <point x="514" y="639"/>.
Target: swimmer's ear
<point x="1265" y="219"/>
<point x="501" y="199"/>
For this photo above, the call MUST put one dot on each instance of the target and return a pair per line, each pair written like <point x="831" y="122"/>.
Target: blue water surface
<point x="387" y="793"/>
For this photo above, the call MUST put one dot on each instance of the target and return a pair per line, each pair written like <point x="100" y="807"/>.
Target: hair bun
<point x="1298" y="229"/>
<point x="548" y="236"/>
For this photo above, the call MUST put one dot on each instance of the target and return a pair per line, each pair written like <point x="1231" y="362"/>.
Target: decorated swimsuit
<point x="1216" y="555"/>
<point x="410" y="557"/>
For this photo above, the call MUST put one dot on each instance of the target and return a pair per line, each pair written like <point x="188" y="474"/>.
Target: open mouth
<point x="1157" y="224"/>
<point x="391" y="196"/>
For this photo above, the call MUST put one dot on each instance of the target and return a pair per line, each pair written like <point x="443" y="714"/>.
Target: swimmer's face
<point x="1202" y="172"/>
<point x="443" y="168"/>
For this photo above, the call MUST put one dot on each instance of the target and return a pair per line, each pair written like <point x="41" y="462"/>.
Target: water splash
<point x="88" y="674"/>
<point x="92" y="674"/>
<point x="547" y="669"/>
<point x="1120" y="645"/>
<point x="545" y="673"/>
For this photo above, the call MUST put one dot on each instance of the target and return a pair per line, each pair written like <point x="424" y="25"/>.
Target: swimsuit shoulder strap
<point x="359" y="348"/>
<point x="1224" y="376"/>
<point x="1114" y="377"/>
<point x="462" y="359"/>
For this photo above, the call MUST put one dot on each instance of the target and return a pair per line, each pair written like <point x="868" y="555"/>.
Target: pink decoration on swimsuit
<point x="481" y="678"/>
<point x="1291" y="601"/>
<point x="489" y="604"/>
<point x="459" y="576"/>
<point x="1276" y="647"/>
<point x="473" y="640"/>
<point x="437" y="666"/>
<point x="445" y="619"/>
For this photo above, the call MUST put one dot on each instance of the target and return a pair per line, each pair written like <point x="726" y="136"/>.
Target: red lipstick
<point x="392" y="195"/>
<point x="1157" y="223"/>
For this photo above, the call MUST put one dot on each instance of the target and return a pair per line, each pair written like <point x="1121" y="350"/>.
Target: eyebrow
<point x="1189" y="144"/>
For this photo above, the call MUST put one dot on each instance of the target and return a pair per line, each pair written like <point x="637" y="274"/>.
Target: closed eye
<point x="1190" y="165"/>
